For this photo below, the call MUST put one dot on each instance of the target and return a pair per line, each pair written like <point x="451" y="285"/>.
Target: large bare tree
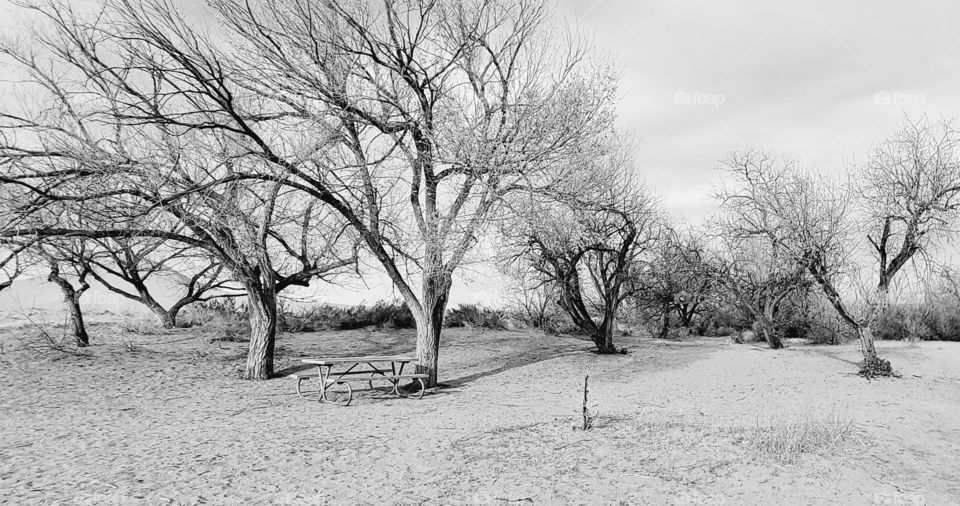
<point x="589" y="249"/>
<point x="89" y="152"/>
<point x="443" y="109"/>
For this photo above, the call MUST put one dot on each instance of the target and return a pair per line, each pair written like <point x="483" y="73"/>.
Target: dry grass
<point x="786" y="438"/>
<point x="44" y="342"/>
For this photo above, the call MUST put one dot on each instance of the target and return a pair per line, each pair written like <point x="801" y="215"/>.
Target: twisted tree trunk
<point x="872" y="365"/>
<point x="766" y="320"/>
<point x="71" y="297"/>
<point x="665" y="323"/>
<point x="167" y="319"/>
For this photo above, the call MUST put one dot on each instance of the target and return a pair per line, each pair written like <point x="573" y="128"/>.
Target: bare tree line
<point x="404" y="125"/>
<point x="309" y="138"/>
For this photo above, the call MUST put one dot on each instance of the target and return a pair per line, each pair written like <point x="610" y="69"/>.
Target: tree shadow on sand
<point x="829" y="351"/>
<point x="505" y="366"/>
<point x="505" y="351"/>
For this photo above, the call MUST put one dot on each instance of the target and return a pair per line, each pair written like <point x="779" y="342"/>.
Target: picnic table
<point x="335" y="384"/>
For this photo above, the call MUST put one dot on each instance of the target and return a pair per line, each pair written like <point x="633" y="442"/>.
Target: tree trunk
<point x="604" y="342"/>
<point x="686" y="315"/>
<point x="436" y="290"/>
<point x="771" y="336"/>
<point x="769" y="332"/>
<point x="604" y="338"/>
<point x="428" y="347"/>
<point x="665" y="327"/>
<point x="174" y="310"/>
<point x="167" y="319"/>
<point x="866" y="343"/>
<point x="873" y="365"/>
<point x="76" y="325"/>
<point x="263" y="333"/>
<point x="71" y="297"/>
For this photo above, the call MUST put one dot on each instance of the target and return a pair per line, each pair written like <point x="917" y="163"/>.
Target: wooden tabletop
<point x="359" y="360"/>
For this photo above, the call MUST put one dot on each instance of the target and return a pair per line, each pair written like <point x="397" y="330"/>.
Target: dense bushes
<point x="920" y="322"/>
<point x="328" y="317"/>
<point x="228" y="320"/>
<point x="473" y="315"/>
<point x="810" y="320"/>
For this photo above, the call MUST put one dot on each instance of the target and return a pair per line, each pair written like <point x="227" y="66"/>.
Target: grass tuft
<point x="787" y="438"/>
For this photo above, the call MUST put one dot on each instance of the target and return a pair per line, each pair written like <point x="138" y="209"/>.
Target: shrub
<point x="938" y="319"/>
<point x="230" y="321"/>
<point x="213" y="312"/>
<point x="473" y="315"/>
<point x="724" y="331"/>
<point x="944" y="323"/>
<point x="787" y="438"/>
<point x="561" y="325"/>
<point x="328" y="317"/>
<point x="905" y="321"/>
<point x="382" y="314"/>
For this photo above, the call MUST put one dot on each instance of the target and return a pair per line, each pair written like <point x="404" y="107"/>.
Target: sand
<point x="162" y="419"/>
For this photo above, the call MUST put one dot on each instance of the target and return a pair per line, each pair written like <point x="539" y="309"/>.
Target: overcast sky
<point x="817" y="80"/>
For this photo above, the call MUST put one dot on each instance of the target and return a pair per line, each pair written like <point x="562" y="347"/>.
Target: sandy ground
<point x="162" y="419"/>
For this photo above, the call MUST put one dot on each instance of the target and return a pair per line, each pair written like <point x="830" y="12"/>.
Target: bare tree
<point x="534" y="297"/>
<point x="68" y="260"/>
<point x="590" y="248"/>
<point x="678" y="278"/>
<point x="136" y="260"/>
<point x="758" y="276"/>
<point x="92" y="154"/>
<point x="800" y="221"/>
<point x="906" y="197"/>
<point x="444" y="108"/>
<point x="411" y="120"/>
<point x="910" y="188"/>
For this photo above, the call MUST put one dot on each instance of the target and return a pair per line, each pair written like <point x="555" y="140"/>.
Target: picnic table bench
<point x="335" y="385"/>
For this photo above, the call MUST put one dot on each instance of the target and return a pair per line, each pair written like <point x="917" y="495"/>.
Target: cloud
<point x="817" y="80"/>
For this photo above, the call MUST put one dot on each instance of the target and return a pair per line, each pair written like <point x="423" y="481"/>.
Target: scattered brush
<point x="786" y="439"/>
<point x="395" y="315"/>
<point x="128" y="343"/>
<point x="228" y="321"/>
<point x="133" y="326"/>
<point x="328" y="317"/>
<point x="652" y="419"/>
<point x="473" y="315"/>
<point x="561" y="325"/>
<point x="213" y="312"/>
<point x="46" y="342"/>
